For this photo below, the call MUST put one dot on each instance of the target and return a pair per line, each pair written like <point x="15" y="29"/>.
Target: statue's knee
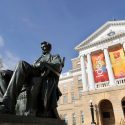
<point x="21" y="62"/>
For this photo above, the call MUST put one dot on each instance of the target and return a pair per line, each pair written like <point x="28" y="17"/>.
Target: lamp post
<point x="92" y="113"/>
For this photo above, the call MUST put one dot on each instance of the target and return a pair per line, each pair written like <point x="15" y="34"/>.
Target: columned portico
<point x="90" y="73"/>
<point x="83" y="69"/>
<point x="109" y="67"/>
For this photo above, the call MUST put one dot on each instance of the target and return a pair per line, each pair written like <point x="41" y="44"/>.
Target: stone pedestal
<point x="23" y="120"/>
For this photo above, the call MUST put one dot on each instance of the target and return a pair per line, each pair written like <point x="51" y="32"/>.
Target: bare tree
<point x="1" y="64"/>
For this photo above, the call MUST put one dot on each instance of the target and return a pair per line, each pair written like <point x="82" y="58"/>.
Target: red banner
<point x="99" y="68"/>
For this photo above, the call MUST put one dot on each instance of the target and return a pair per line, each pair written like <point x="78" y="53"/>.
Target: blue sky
<point x="24" y="24"/>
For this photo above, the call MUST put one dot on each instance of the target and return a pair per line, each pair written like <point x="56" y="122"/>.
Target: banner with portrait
<point x="117" y="57"/>
<point x="99" y="68"/>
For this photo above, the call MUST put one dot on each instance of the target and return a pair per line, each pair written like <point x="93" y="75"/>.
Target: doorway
<point x="123" y="105"/>
<point x="106" y="113"/>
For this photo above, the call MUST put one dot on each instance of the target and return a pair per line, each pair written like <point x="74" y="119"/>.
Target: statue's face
<point x="45" y="48"/>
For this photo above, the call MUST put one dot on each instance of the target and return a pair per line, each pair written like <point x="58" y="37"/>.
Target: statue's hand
<point x="45" y="72"/>
<point x="39" y="65"/>
<point x="36" y="65"/>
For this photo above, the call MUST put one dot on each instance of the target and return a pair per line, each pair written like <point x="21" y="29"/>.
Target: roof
<point x="98" y="32"/>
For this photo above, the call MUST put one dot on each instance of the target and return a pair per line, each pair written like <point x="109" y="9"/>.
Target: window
<point x="66" y="119"/>
<point x="79" y="79"/>
<point x="73" y="97"/>
<point x="80" y="92"/>
<point x="82" y="118"/>
<point x="64" y="87"/>
<point x="72" y="86"/>
<point x="61" y="116"/>
<point x="73" y="119"/>
<point x="59" y="102"/>
<point x="65" y="99"/>
<point x="78" y="63"/>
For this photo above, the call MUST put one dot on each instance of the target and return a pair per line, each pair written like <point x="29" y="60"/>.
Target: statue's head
<point x="46" y="47"/>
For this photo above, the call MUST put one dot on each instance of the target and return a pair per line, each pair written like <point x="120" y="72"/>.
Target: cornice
<point x="66" y="75"/>
<point x="65" y="78"/>
<point x="71" y="74"/>
<point x="108" y="89"/>
<point x="75" y="58"/>
<point x="75" y="70"/>
<point x="106" y="40"/>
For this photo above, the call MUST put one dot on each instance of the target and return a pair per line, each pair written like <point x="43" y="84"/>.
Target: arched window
<point x="73" y="119"/>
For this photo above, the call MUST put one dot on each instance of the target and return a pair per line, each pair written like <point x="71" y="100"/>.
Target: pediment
<point x="106" y="31"/>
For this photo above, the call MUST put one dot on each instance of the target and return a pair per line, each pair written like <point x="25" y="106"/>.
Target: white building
<point x="101" y="66"/>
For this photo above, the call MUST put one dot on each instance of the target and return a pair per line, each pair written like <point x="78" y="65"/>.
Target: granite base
<point x="6" y="119"/>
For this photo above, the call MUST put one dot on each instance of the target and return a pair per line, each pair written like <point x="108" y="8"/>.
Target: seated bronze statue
<point x="41" y="79"/>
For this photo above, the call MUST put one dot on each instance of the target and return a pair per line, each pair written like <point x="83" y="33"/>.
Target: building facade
<point x="97" y="75"/>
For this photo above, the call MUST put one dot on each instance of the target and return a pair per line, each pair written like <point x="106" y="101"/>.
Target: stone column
<point x="90" y="73"/>
<point x="84" y="77"/>
<point x="109" y="68"/>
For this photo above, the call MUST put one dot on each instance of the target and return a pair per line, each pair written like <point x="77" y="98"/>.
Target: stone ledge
<point x="6" y="119"/>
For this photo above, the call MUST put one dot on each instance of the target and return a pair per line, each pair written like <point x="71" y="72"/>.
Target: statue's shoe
<point x="4" y="110"/>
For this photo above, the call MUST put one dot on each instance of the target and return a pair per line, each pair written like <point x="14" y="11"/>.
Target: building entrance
<point x="123" y="105"/>
<point x="106" y="113"/>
